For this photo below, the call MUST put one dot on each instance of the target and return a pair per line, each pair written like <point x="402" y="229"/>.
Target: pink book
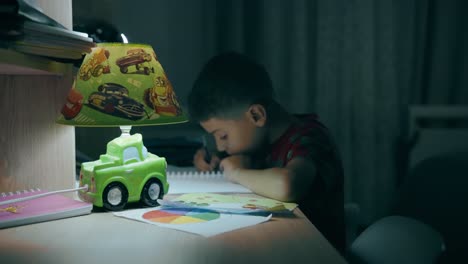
<point x="46" y="208"/>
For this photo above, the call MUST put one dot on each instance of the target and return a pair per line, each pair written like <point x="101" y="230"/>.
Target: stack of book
<point x="28" y="30"/>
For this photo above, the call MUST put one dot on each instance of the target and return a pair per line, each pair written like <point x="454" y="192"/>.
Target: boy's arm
<point x="290" y="183"/>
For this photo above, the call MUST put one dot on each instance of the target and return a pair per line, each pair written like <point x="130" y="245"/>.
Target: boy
<point x="270" y="151"/>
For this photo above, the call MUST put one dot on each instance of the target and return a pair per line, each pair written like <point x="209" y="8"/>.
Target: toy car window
<point x="130" y="153"/>
<point x="144" y="151"/>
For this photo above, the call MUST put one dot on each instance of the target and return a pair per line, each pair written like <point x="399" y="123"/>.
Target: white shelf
<point x="16" y="63"/>
<point x="35" y="152"/>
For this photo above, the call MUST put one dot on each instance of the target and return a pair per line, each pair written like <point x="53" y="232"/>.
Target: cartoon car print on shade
<point x="135" y="57"/>
<point x="162" y="98"/>
<point x="126" y="173"/>
<point x="95" y="65"/>
<point x="113" y="99"/>
<point x="72" y="106"/>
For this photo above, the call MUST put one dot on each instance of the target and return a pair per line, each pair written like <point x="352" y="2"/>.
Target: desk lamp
<point x="122" y="84"/>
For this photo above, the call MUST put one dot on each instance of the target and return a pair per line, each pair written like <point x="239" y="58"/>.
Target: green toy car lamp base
<point x="126" y="173"/>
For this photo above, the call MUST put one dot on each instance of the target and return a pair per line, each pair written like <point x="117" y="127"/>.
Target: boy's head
<point x="230" y="99"/>
<point x="227" y="82"/>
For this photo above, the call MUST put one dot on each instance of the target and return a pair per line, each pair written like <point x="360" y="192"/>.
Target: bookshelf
<point x="15" y="63"/>
<point x="34" y="151"/>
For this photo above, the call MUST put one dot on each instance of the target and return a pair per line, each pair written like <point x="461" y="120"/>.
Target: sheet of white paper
<point x="197" y="221"/>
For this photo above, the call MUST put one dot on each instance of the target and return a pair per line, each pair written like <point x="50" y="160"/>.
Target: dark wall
<point x="173" y="29"/>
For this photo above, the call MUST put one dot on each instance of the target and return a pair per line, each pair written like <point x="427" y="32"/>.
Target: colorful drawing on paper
<point x="193" y="220"/>
<point x="180" y="216"/>
<point x="234" y="201"/>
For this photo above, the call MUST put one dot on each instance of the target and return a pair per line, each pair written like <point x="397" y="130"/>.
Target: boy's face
<point x="236" y="136"/>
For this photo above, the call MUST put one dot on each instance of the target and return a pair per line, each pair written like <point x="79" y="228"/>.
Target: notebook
<point x="46" y="208"/>
<point x="201" y="182"/>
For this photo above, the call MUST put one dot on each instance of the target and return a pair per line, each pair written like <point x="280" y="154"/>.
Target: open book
<point x="191" y="181"/>
<point x="45" y="208"/>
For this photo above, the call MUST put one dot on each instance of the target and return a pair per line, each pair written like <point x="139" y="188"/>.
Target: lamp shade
<point x="121" y="84"/>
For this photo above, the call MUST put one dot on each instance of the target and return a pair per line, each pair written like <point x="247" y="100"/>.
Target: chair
<point x="352" y="212"/>
<point x="435" y="193"/>
<point x="397" y="239"/>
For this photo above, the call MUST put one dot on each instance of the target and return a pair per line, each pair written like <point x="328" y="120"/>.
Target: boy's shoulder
<point x="306" y="137"/>
<point x="307" y="125"/>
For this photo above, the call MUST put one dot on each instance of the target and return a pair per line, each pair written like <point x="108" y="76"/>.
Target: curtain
<point x="443" y="55"/>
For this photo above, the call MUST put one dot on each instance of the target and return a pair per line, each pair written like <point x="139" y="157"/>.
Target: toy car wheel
<point x="115" y="196"/>
<point x="123" y="69"/>
<point x="98" y="70"/>
<point x="137" y="66"/>
<point x="147" y="71"/>
<point x="86" y="75"/>
<point x="151" y="192"/>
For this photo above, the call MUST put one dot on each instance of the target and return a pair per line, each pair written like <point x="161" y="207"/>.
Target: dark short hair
<point x="226" y="82"/>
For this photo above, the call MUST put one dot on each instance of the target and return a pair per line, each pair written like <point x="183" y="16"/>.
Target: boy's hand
<point x="202" y="164"/>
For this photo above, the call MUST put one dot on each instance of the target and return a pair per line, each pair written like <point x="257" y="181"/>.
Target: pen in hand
<point x="207" y="158"/>
<point x="213" y="159"/>
<point x="207" y="155"/>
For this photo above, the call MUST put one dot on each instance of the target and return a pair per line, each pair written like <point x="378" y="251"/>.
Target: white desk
<point x="103" y="238"/>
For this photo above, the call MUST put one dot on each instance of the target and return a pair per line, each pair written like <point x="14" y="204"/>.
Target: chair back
<point x="397" y="239"/>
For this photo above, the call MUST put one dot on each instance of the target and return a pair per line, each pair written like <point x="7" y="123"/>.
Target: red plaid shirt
<point x="324" y="204"/>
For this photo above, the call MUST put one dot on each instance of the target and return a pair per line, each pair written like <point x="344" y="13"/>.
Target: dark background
<point x="360" y="65"/>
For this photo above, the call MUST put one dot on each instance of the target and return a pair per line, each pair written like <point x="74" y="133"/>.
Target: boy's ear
<point x="257" y="114"/>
